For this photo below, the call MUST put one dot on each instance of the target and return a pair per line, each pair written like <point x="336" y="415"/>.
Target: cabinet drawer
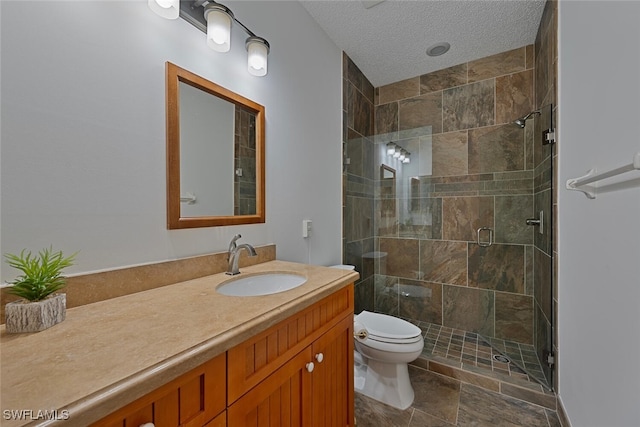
<point x="190" y="400"/>
<point x="253" y="360"/>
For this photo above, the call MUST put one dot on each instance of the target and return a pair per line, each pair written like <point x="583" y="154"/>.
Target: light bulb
<point x="218" y="28"/>
<point x="391" y="148"/>
<point x="257" y="51"/>
<point x="169" y="9"/>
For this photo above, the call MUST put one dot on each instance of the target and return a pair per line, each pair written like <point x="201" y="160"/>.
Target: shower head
<point x="522" y="121"/>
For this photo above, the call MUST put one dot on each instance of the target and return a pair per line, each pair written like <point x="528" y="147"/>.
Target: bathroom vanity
<point x="186" y="355"/>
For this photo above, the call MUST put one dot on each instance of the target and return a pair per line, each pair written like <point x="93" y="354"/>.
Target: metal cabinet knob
<point x="309" y="367"/>
<point x="319" y="357"/>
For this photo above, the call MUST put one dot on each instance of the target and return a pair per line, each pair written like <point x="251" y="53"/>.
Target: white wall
<point x="83" y="130"/>
<point x="599" y="240"/>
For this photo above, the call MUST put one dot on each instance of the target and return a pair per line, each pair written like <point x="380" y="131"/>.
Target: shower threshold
<point x="472" y="353"/>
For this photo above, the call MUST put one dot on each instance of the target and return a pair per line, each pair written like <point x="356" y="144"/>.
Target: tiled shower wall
<point x="485" y="172"/>
<point x="244" y="179"/>
<point x="482" y="176"/>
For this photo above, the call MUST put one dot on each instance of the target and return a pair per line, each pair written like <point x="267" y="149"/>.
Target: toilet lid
<point x="388" y="327"/>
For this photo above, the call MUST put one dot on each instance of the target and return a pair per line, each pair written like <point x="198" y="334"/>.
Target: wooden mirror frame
<point x="175" y="75"/>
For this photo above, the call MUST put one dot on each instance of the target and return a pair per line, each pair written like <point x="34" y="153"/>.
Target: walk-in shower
<point x="411" y="229"/>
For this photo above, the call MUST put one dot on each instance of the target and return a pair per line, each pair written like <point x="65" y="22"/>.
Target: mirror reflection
<point x="215" y="154"/>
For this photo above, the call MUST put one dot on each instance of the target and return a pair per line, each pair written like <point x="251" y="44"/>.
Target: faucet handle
<point x="232" y="244"/>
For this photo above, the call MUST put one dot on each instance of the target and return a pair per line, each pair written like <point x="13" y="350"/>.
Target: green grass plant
<point x="41" y="274"/>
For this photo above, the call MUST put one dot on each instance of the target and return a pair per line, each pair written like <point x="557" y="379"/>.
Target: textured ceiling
<point x="388" y="42"/>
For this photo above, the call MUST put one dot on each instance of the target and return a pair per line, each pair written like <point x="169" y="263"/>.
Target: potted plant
<point x="40" y="307"/>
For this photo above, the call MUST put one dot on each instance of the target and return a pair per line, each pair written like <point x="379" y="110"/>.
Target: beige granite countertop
<point x="111" y="352"/>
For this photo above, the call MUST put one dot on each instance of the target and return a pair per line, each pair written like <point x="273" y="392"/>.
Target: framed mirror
<point x="215" y="154"/>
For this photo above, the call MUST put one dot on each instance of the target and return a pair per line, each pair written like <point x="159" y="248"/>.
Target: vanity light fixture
<point x="398" y="152"/>
<point x="169" y="9"/>
<point x="215" y="19"/>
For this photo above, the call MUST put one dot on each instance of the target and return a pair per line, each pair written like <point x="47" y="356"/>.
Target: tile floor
<point x="475" y="390"/>
<point x="470" y="350"/>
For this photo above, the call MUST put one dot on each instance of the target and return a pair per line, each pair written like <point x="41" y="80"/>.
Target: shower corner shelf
<point x="580" y="184"/>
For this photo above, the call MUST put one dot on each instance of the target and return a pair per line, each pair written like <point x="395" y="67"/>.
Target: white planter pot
<point x="25" y="316"/>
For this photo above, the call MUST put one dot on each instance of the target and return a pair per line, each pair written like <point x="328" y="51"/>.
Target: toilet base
<point x="388" y="383"/>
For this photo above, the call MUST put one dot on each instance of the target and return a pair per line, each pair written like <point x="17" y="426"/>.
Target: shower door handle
<point x="485" y="244"/>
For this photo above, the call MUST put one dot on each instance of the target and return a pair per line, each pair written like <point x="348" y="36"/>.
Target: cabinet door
<point x="332" y="386"/>
<point x="255" y="359"/>
<point x="280" y="400"/>
<point x="190" y="400"/>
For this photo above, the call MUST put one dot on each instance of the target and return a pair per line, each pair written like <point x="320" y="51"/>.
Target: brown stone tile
<point x="469" y="309"/>
<point x="511" y="213"/>
<point x="354" y="149"/>
<point x="420" y="300"/>
<point x="528" y="270"/>
<point x="386" y="118"/>
<point x="359" y="112"/>
<point x="554" y="419"/>
<point x="514" y="317"/>
<point x="562" y="414"/>
<point x="399" y="90"/>
<point x="435" y="394"/>
<point x="468" y="106"/>
<point x="450" y="154"/>
<point x="496" y="149"/>
<point x="542" y="280"/>
<point x="462" y="216"/>
<point x="498" y="267"/>
<point x="443" y="261"/>
<point x="529" y="141"/>
<point x="370" y="412"/>
<point x="461" y="188"/>
<point x="530" y="56"/>
<point x="358" y="218"/>
<point x="364" y="296"/>
<point x="465" y="376"/>
<point x="358" y="79"/>
<point x="483" y="407"/>
<point x="538" y="398"/>
<point x="443" y="79"/>
<point x="421" y="111"/>
<point x="500" y="64"/>
<point x="422" y="419"/>
<point x="514" y="96"/>
<point x="402" y="257"/>
<point x="386" y="294"/>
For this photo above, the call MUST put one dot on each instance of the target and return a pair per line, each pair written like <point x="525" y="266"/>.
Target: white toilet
<point x="384" y="346"/>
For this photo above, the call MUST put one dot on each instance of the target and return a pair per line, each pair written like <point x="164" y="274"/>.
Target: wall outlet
<point x="306" y="228"/>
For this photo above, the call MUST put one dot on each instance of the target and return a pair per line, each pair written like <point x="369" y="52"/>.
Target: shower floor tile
<point x="469" y="351"/>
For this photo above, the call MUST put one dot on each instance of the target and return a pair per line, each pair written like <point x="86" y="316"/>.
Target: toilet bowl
<point x="384" y="346"/>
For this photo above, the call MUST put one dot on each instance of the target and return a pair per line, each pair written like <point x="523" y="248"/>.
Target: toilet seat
<point x="388" y="329"/>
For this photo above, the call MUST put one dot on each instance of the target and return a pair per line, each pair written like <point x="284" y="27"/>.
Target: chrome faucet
<point x="234" y="255"/>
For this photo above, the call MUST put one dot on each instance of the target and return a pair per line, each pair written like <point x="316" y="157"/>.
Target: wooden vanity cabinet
<point x="298" y="372"/>
<point x="193" y="399"/>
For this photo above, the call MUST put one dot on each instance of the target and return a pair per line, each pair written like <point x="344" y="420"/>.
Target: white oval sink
<point x="260" y="284"/>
